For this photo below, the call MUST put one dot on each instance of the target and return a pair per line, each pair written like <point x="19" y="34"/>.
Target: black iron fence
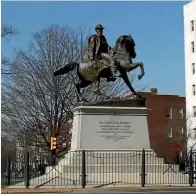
<point x="87" y="168"/>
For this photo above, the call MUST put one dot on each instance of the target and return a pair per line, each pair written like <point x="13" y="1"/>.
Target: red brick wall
<point x="158" y="124"/>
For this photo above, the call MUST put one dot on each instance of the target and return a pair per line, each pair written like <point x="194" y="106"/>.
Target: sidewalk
<point x="97" y="190"/>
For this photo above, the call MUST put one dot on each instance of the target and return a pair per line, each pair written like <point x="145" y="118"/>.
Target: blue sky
<point x="157" y="28"/>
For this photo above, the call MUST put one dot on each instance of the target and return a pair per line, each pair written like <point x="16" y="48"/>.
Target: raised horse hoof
<point x="139" y="77"/>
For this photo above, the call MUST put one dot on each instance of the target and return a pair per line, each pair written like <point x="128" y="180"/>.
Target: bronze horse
<point x="90" y="72"/>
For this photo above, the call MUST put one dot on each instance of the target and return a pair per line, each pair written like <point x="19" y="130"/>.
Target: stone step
<point x="119" y="168"/>
<point x="108" y="158"/>
<point x="94" y="179"/>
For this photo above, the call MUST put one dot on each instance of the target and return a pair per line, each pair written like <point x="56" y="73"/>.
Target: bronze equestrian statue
<point x="102" y="61"/>
<point x="98" y="49"/>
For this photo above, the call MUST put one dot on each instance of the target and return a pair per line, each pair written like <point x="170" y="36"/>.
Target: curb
<point x="98" y="190"/>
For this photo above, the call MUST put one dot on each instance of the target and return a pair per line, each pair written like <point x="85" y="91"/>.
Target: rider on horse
<point x="98" y="62"/>
<point x="98" y="49"/>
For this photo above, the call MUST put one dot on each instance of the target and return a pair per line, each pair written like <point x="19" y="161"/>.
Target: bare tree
<point x="7" y="149"/>
<point x="191" y="133"/>
<point x="6" y="31"/>
<point x="38" y="105"/>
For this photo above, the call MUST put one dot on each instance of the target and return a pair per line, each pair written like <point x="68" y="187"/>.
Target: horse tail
<point x="66" y="68"/>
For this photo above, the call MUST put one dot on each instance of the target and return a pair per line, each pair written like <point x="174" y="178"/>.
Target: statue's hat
<point x="99" y="26"/>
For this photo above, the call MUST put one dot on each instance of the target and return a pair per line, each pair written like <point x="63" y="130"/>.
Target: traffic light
<point x="53" y="143"/>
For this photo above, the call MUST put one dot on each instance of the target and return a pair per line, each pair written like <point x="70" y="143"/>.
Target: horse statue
<point x="90" y="72"/>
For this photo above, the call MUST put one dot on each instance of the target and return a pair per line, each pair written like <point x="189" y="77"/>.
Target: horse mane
<point x="121" y="38"/>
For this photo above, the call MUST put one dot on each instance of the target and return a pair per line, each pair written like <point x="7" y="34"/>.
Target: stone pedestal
<point x="110" y="128"/>
<point x="113" y="135"/>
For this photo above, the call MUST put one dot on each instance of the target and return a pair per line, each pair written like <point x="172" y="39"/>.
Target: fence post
<point x="83" y="181"/>
<point x="8" y="170"/>
<point x="191" y="168"/>
<point x="26" y="170"/>
<point x="143" y="173"/>
<point x="53" y="158"/>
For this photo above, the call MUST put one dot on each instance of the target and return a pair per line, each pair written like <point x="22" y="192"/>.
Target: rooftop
<point x="153" y="91"/>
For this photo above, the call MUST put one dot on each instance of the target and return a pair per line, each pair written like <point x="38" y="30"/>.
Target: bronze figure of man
<point x="98" y="49"/>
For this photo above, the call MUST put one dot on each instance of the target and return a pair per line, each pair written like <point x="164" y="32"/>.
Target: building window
<point x="182" y="131"/>
<point x="193" y="47"/>
<point x="194" y="111"/>
<point x="169" y="113"/>
<point x="193" y="68"/>
<point x="180" y="113"/>
<point x="193" y="133"/>
<point x="193" y="89"/>
<point x="192" y="25"/>
<point x="169" y="133"/>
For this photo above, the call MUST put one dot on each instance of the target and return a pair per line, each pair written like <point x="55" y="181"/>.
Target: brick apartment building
<point x="166" y="123"/>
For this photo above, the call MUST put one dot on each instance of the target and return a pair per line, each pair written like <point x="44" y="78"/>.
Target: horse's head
<point x="126" y="43"/>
